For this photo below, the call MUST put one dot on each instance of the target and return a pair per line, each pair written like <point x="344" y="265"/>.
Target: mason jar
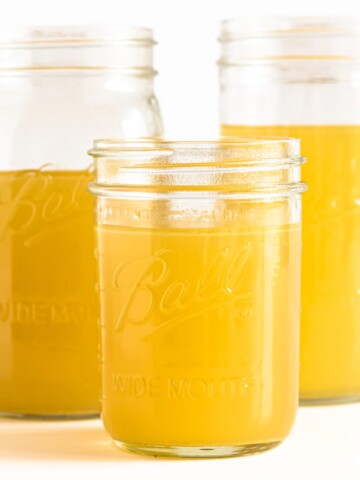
<point x="59" y="87"/>
<point x="198" y="248"/>
<point x="301" y="77"/>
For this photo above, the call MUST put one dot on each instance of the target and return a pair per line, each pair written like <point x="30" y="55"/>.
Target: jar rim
<point x="75" y="35"/>
<point x="282" y="26"/>
<point x="249" y="147"/>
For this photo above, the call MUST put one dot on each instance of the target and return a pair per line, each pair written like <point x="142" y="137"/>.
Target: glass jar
<point x="199" y="253"/>
<point x="301" y="77"/>
<point x="58" y="86"/>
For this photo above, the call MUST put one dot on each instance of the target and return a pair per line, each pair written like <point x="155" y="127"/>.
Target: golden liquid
<point x="330" y="307"/>
<point x="199" y="334"/>
<point x="48" y="314"/>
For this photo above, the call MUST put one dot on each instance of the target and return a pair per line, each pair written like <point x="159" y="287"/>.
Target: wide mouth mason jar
<point x="300" y="77"/>
<point x="198" y="247"/>
<point x="59" y="87"/>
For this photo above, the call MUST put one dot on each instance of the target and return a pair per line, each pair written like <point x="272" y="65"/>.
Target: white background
<point x="325" y="443"/>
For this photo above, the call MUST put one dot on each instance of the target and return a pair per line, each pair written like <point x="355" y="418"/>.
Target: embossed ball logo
<point x="32" y="203"/>
<point x="148" y="285"/>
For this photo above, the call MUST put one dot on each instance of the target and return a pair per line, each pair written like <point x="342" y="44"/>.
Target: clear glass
<point x="198" y="248"/>
<point x="301" y="77"/>
<point x="58" y="88"/>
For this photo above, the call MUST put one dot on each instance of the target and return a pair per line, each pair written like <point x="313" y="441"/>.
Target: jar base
<point x="318" y="402"/>
<point x="196" y="451"/>
<point x="55" y="417"/>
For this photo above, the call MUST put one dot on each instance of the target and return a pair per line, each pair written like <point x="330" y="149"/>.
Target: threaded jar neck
<point x="287" y="39"/>
<point x="231" y="168"/>
<point x="127" y="49"/>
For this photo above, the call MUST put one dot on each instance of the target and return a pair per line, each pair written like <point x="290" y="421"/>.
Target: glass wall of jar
<point x="199" y="256"/>
<point x="301" y="77"/>
<point x="59" y="87"/>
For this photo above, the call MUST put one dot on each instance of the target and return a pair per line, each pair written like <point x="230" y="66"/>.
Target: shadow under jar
<point x="199" y="269"/>
<point x="300" y="77"/>
<point x="58" y="88"/>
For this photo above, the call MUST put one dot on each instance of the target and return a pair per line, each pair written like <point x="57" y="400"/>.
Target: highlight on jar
<point x="58" y="86"/>
<point x="299" y="77"/>
<point x="198" y="249"/>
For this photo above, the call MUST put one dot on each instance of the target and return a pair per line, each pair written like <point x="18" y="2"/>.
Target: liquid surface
<point x="330" y="306"/>
<point x="199" y="334"/>
<point x="48" y="313"/>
